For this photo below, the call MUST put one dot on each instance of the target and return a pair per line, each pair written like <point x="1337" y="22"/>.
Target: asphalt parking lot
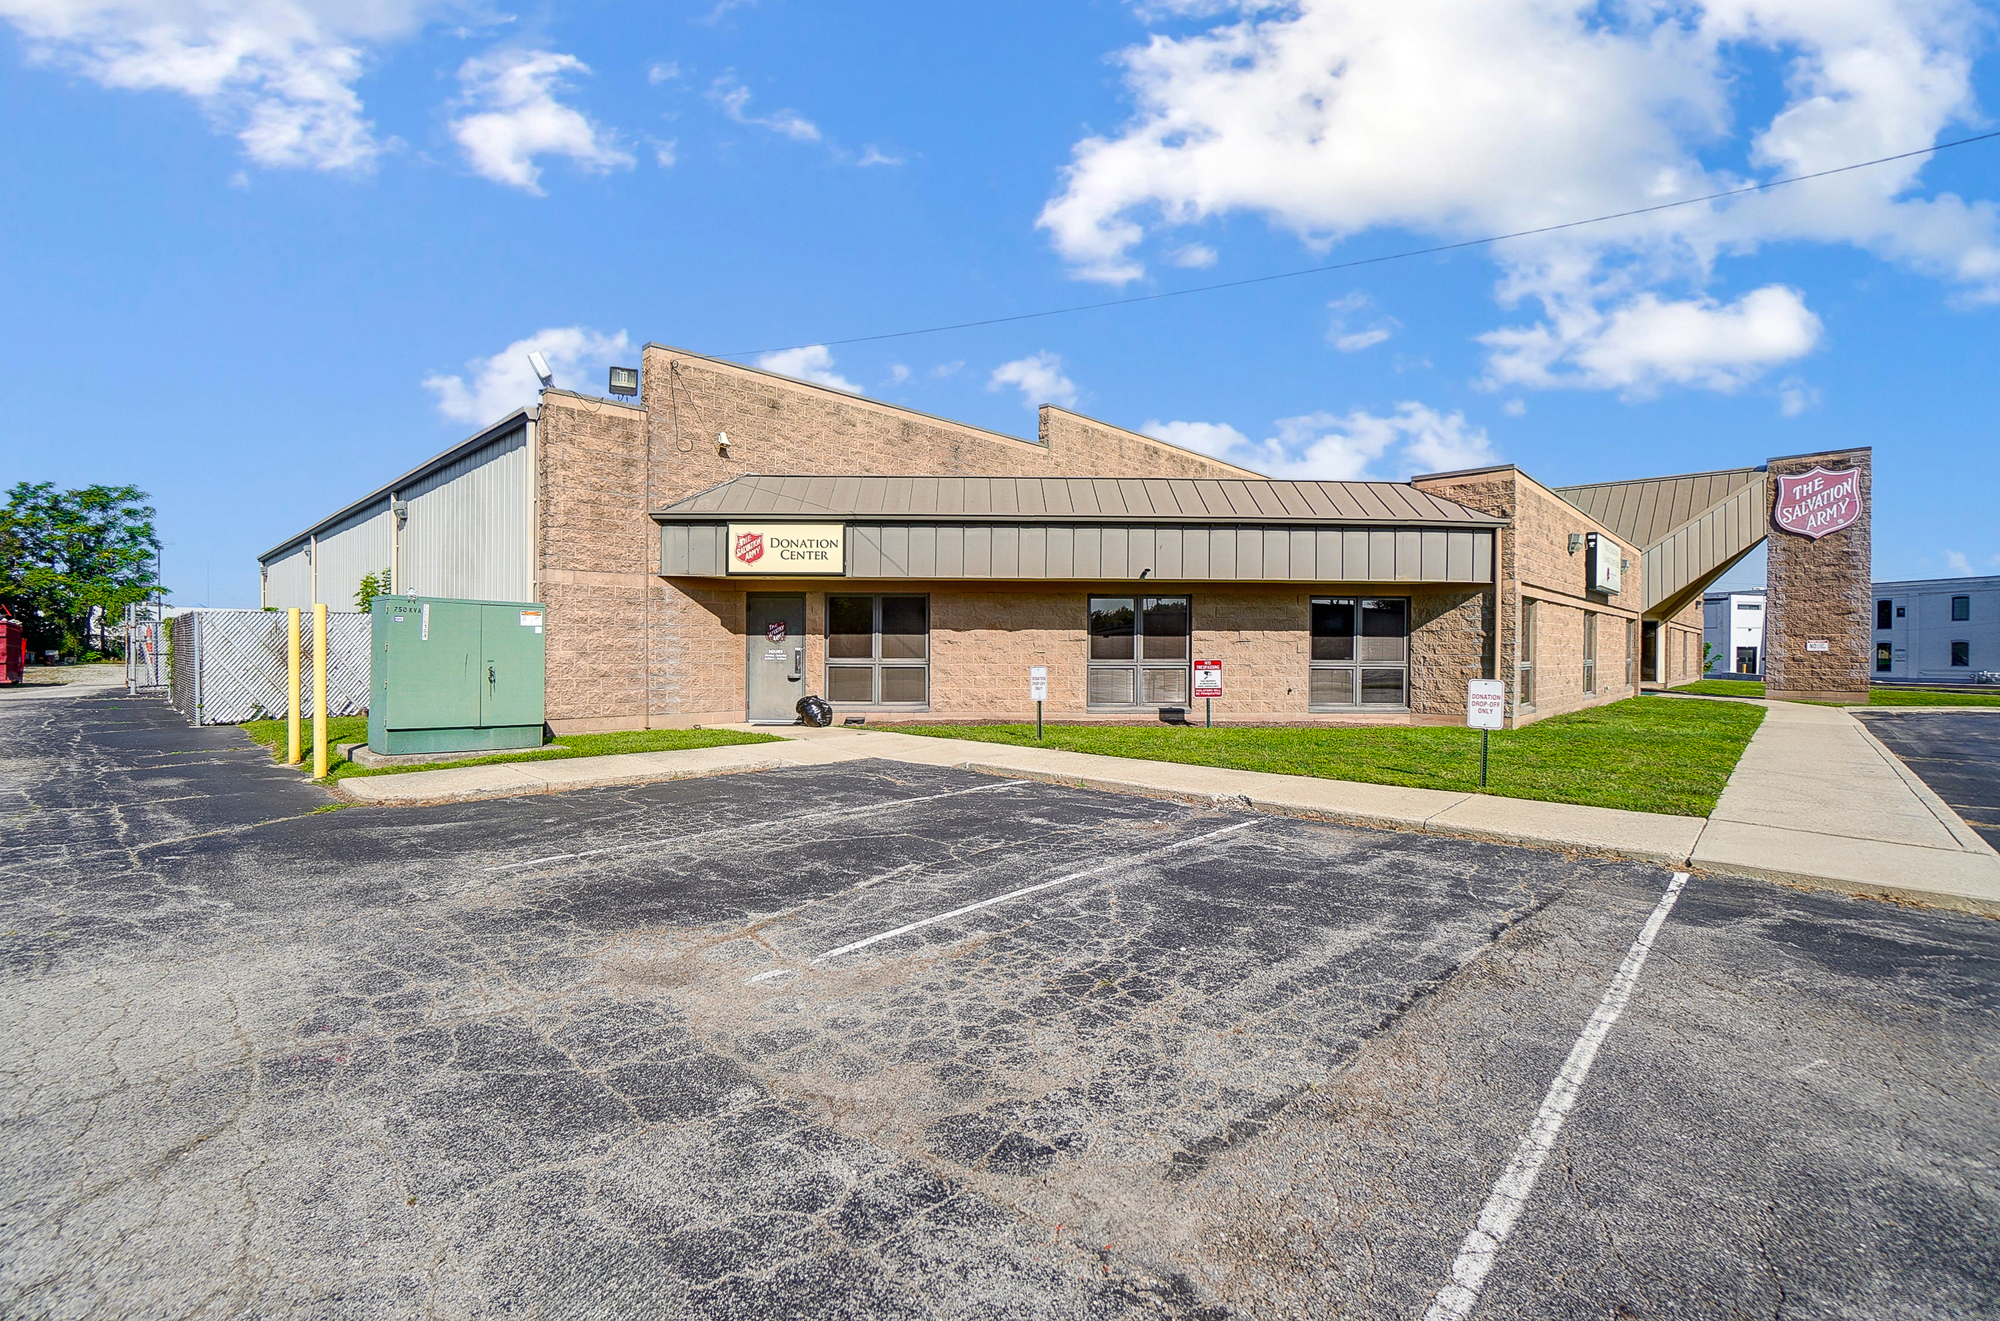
<point x="876" y="1040"/>
<point x="1956" y="753"/>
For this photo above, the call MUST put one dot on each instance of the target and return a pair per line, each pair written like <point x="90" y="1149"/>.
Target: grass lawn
<point x="1876" y="696"/>
<point x="1645" y="754"/>
<point x="354" y="729"/>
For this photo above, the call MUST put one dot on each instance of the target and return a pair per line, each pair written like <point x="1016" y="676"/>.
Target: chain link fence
<point x="145" y="648"/>
<point x="228" y="666"/>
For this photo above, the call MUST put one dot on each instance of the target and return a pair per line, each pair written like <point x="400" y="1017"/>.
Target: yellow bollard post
<point x="319" y="691"/>
<point x="294" y="751"/>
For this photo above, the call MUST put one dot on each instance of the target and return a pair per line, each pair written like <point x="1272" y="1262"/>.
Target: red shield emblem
<point x="1815" y="503"/>
<point x="775" y="632"/>
<point x="750" y="547"/>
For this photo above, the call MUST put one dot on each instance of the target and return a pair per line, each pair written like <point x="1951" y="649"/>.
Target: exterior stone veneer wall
<point x="622" y="642"/>
<point x="986" y="636"/>
<point x="1820" y="591"/>
<point x="1535" y="564"/>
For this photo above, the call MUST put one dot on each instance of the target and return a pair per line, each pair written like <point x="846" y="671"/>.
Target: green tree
<point x="63" y="552"/>
<point x="372" y="586"/>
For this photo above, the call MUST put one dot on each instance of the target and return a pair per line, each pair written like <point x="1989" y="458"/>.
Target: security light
<point x="722" y="443"/>
<point x="624" y="380"/>
<point x="541" y="366"/>
<point x="1575" y="542"/>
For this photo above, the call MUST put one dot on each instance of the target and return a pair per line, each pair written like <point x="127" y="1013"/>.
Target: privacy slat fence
<point x="229" y="666"/>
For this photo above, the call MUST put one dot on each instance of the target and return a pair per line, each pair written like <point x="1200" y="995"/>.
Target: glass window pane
<point x="1111" y="623"/>
<point x="850" y="683"/>
<point x="1381" y="688"/>
<point x="1385" y="628"/>
<point x="1961" y="608"/>
<point x="1332" y="629"/>
<point x="1961" y="653"/>
<point x="1166" y="628"/>
<point x="1332" y="688"/>
<point x="902" y="683"/>
<point x="1167" y="687"/>
<point x="1110" y="687"/>
<point x="850" y="627"/>
<point x="905" y="628"/>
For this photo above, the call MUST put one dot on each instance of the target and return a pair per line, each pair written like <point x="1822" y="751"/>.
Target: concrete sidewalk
<point x="1815" y="801"/>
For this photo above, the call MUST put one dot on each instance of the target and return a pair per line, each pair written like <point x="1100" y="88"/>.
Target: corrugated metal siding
<point x="348" y="551"/>
<point x="470" y="532"/>
<point x="1173" y="554"/>
<point x="1646" y="512"/>
<point x="288" y="579"/>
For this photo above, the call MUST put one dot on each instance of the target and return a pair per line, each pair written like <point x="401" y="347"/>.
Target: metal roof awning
<point x="1690" y="529"/>
<point x="1096" y="529"/>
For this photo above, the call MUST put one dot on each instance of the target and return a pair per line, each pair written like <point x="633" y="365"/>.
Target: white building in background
<point x="1932" y="630"/>
<point x="1937" y="630"/>
<point x="1732" y="628"/>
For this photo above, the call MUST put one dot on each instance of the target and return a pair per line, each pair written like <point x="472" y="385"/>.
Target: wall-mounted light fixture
<point x="625" y="380"/>
<point x="401" y="509"/>
<point x="722" y="443"/>
<point x="1575" y="542"/>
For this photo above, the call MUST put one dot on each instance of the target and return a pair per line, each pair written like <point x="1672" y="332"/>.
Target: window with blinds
<point x="1138" y="651"/>
<point x="878" y="651"/>
<point x="1360" y="653"/>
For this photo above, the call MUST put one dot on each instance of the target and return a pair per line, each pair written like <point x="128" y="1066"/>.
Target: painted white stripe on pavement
<point x="908" y="927"/>
<point x="835" y="814"/>
<point x="1496" y="1219"/>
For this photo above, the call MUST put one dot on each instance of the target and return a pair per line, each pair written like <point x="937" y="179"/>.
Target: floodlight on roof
<point x="625" y="380"/>
<point x="541" y="366"/>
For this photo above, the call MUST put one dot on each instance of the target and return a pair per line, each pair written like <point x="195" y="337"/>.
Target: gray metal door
<point x="776" y="642"/>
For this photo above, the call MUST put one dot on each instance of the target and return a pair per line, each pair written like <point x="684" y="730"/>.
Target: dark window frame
<point x="875" y="662"/>
<point x="1524" y="657"/>
<point x="1357" y="666"/>
<point x="1961" y="653"/>
<point x="1885" y="614"/>
<point x="1169" y="678"/>
<point x="1590" y="653"/>
<point x="1961" y="609"/>
<point x="1885" y="657"/>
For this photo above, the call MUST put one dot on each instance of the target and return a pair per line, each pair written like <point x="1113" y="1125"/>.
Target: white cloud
<point x="873" y="155"/>
<point x="1462" y="118"/>
<point x="1958" y="562"/>
<point x="665" y="153"/>
<point x="1193" y="256"/>
<point x="1359" y="446"/>
<point x="1515" y="408"/>
<point x="898" y="373"/>
<point x="734" y="98"/>
<point x="1796" y="397"/>
<point x="280" y="74"/>
<point x="1040" y="379"/>
<point x="665" y="71"/>
<point x="504" y="382"/>
<point x="1650" y="342"/>
<point x="812" y="363"/>
<point x="1343" y="332"/>
<point x="514" y="117"/>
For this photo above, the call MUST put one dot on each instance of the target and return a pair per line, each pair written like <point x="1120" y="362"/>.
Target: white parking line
<point x="1496" y="1220"/>
<point x="908" y="927"/>
<point x="836" y="814"/>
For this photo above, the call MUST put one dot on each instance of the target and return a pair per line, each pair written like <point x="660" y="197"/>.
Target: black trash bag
<point x="815" y="711"/>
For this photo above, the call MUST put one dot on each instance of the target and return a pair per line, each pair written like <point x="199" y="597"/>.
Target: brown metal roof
<point x="1645" y="512"/>
<point x="1077" y="499"/>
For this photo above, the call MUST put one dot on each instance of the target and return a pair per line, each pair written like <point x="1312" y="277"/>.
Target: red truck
<point x="13" y="648"/>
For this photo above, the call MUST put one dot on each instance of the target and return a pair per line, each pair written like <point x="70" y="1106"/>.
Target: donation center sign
<point x="1817" y="502"/>
<point x="787" y="550"/>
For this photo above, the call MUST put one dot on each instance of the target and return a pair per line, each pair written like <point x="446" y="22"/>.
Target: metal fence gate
<point x="228" y="666"/>
<point x="145" y="649"/>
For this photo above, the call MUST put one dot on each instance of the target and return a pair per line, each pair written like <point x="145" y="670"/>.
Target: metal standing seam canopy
<point x="1101" y="527"/>
<point x="1691" y="529"/>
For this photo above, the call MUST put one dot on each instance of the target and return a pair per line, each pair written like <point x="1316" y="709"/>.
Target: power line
<point x="1374" y="261"/>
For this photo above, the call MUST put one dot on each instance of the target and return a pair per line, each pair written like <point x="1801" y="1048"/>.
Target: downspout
<point x="312" y="556"/>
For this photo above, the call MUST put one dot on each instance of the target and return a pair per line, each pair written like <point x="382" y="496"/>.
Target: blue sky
<point x="261" y="255"/>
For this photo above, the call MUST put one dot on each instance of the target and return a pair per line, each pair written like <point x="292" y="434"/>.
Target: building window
<point x="1884" y="657"/>
<point x="1138" y="651"/>
<point x="1524" y="668"/>
<point x="1746" y="660"/>
<point x="1961" y="609"/>
<point x="1360" y="652"/>
<point x="1631" y="650"/>
<point x="1961" y="653"/>
<point x="1884" y="613"/>
<point x="878" y="650"/>
<point x="1589" y="653"/>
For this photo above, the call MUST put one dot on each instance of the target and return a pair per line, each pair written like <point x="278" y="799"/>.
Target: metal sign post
<point x="1038" y="690"/>
<point x="1485" y="711"/>
<point x="1208" y="686"/>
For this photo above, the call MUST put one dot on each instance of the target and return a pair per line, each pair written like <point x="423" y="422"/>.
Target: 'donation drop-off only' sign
<point x="1485" y="703"/>
<point x="1817" y="502"/>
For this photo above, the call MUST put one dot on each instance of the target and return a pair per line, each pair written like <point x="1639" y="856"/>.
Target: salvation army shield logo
<point x="1815" y="503"/>
<point x="775" y="631"/>
<point x="749" y="547"/>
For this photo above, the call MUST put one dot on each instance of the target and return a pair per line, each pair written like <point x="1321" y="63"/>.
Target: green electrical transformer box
<point x="454" y="676"/>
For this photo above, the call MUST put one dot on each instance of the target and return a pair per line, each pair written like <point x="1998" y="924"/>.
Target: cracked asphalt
<point x="875" y="1040"/>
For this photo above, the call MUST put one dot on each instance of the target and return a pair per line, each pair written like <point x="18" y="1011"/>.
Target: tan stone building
<point x="733" y="540"/>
